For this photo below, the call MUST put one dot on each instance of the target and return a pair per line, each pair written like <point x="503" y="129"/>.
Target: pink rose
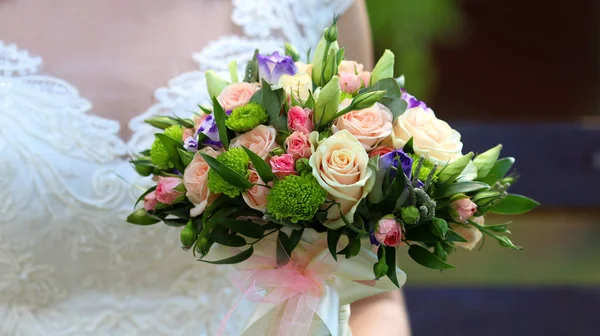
<point x="256" y="197"/>
<point x="260" y="140"/>
<point x="236" y="95"/>
<point x="150" y="201"/>
<point x="381" y="150"/>
<point x="283" y="165"/>
<point x="370" y="126"/>
<point x="462" y="210"/>
<point x="388" y="232"/>
<point x="195" y="180"/>
<point x="165" y="189"/>
<point x="469" y="232"/>
<point x="365" y="78"/>
<point x="300" y="119"/>
<point x="349" y="82"/>
<point x="298" y="145"/>
<point x="352" y="67"/>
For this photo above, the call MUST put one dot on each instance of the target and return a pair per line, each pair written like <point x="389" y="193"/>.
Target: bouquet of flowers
<point x="310" y="176"/>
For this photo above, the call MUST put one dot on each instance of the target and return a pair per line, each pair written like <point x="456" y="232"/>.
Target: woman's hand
<point x="381" y="315"/>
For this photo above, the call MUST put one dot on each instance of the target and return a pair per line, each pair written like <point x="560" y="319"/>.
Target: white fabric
<point x="69" y="264"/>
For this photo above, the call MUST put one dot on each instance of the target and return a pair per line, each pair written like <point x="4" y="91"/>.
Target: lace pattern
<point x="69" y="264"/>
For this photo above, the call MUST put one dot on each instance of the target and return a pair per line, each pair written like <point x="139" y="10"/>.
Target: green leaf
<point x="354" y="245"/>
<point x="388" y="84"/>
<point x="233" y="73"/>
<point x="238" y="258"/>
<point x="270" y="99"/>
<point x="280" y="123"/>
<point x="408" y="147"/>
<point x="213" y="207"/>
<point x="459" y="187"/>
<point x="333" y="237"/>
<point x="498" y="171"/>
<point x="171" y="146"/>
<point x="220" y="117"/>
<point x="251" y="75"/>
<point x="245" y="228"/>
<point x="426" y="258"/>
<point x="486" y="160"/>
<point x="262" y="168"/>
<point x="439" y="227"/>
<point x="142" y="217"/>
<point x="390" y="260"/>
<point x="514" y="205"/>
<point x="294" y="240"/>
<point x="227" y="173"/>
<point x="485" y="198"/>
<point x="175" y="222"/>
<point x="455" y="237"/>
<point x="421" y="233"/>
<point x="228" y="239"/>
<point x="396" y="105"/>
<point x="452" y="171"/>
<point x="144" y="195"/>
<point x="186" y="157"/>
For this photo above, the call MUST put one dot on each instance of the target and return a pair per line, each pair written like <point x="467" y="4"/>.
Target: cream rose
<point x="236" y="95"/>
<point x="298" y="85"/>
<point x="370" y="126"/>
<point x="256" y="197"/>
<point x="260" y="140"/>
<point x="340" y="165"/>
<point x="469" y="232"/>
<point x="433" y="138"/>
<point x="195" y="180"/>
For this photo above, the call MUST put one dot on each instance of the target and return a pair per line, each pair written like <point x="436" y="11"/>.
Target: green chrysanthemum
<point x="245" y="118"/>
<point x="425" y="168"/>
<point x="296" y="198"/>
<point x="158" y="154"/>
<point x="237" y="160"/>
<point x="345" y="95"/>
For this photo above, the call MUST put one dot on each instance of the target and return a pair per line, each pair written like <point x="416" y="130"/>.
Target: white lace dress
<point x="69" y="264"/>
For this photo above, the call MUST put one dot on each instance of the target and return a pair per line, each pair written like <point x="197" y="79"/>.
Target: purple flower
<point x="208" y="133"/>
<point x="412" y="102"/>
<point x="273" y="66"/>
<point x="395" y="160"/>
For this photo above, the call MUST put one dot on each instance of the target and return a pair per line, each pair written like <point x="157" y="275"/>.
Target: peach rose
<point x="256" y="197"/>
<point x="260" y="140"/>
<point x="388" y="232"/>
<point x="462" y="210"/>
<point x="300" y="119"/>
<point x="433" y="138"/>
<point x="236" y="95"/>
<point x="195" y="180"/>
<point x="150" y="201"/>
<point x="340" y="165"/>
<point x="165" y="189"/>
<point x="297" y="145"/>
<point x="283" y="165"/>
<point x="370" y="126"/>
<point x="351" y="67"/>
<point x="469" y="232"/>
<point x="349" y="82"/>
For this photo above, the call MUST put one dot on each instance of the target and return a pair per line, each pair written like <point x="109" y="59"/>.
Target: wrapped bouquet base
<point x="307" y="292"/>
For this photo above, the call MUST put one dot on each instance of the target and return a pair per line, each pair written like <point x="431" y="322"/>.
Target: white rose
<point x="298" y="85"/>
<point x="433" y="138"/>
<point x="340" y="165"/>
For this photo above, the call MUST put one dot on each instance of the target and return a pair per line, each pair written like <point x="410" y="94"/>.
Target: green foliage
<point x="514" y="205"/>
<point x="245" y="118"/>
<point x="235" y="159"/>
<point x="296" y="198"/>
<point x="426" y="258"/>
<point x="158" y="152"/>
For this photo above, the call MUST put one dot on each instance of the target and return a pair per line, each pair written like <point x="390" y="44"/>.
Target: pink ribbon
<point x="295" y="288"/>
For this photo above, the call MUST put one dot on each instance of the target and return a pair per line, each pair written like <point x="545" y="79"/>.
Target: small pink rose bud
<point x="283" y="165"/>
<point x="365" y="78"/>
<point x="381" y="150"/>
<point x="388" y="232"/>
<point x="300" y="119"/>
<point x="297" y="145"/>
<point x="349" y="82"/>
<point x="462" y="210"/>
<point x="165" y="189"/>
<point x="150" y="201"/>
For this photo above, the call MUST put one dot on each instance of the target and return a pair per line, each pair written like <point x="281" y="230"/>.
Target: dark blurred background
<point x="525" y="74"/>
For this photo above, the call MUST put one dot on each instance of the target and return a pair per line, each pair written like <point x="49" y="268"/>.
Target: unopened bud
<point x="380" y="269"/>
<point x="161" y="122"/>
<point x="410" y="215"/>
<point x="277" y="151"/>
<point x="291" y="51"/>
<point x="366" y="100"/>
<point x="188" y="235"/>
<point x="331" y="33"/>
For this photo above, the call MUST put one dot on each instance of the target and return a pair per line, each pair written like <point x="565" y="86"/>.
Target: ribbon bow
<point x="291" y="292"/>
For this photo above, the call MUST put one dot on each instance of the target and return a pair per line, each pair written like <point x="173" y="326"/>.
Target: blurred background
<point x="525" y="74"/>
